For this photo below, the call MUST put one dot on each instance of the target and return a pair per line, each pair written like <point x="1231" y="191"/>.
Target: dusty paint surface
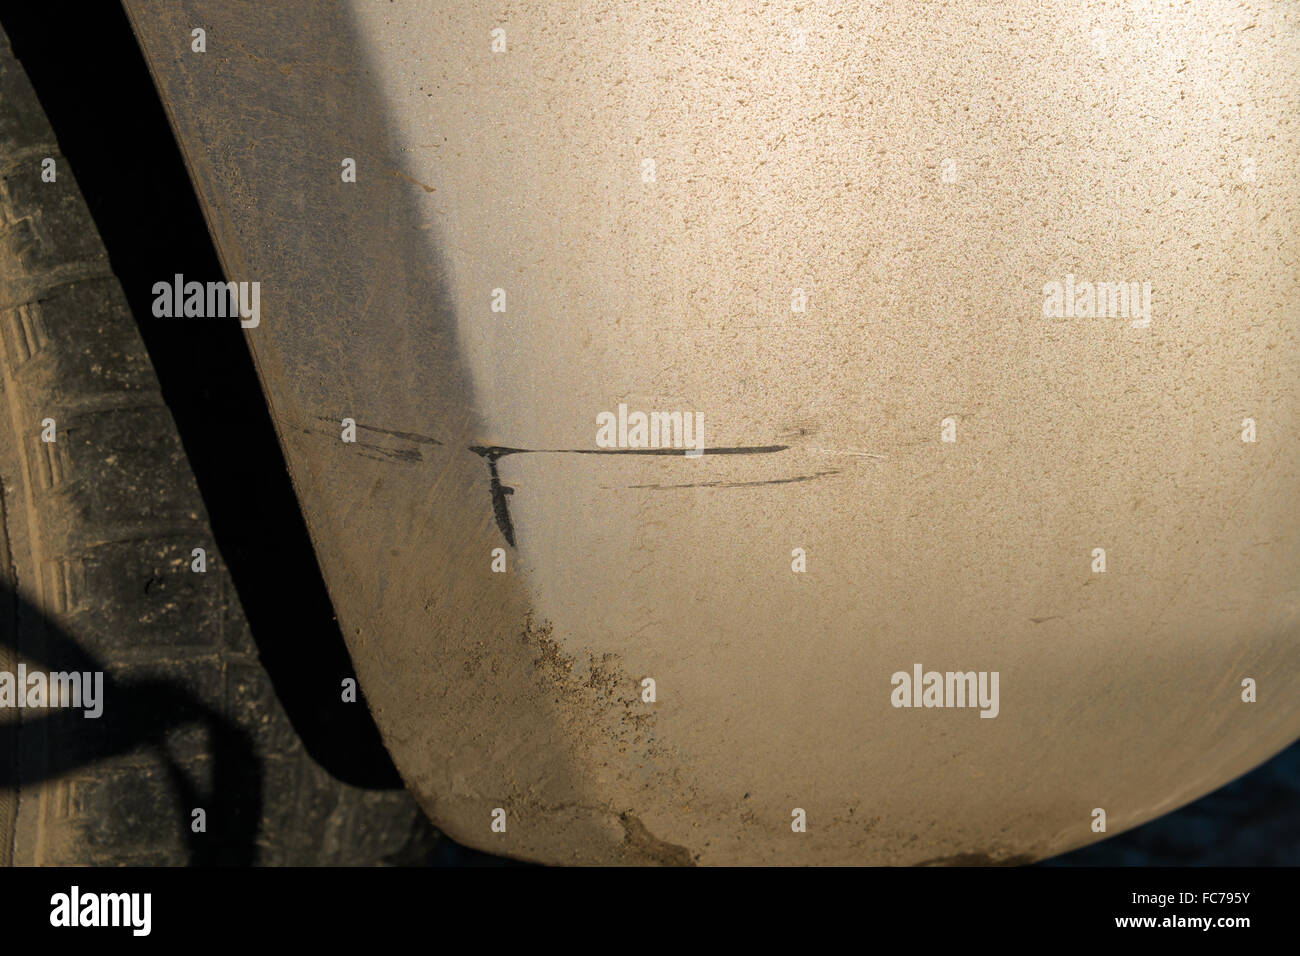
<point x="1108" y="156"/>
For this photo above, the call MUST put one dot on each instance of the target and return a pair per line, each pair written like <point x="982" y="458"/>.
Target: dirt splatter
<point x="641" y="843"/>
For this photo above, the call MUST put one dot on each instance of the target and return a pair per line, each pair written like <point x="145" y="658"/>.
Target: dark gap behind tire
<point x="93" y="84"/>
<point x="190" y="716"/>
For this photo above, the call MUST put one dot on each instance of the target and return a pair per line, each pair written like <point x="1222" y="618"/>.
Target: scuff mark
<point x="407" y="455"/>
<point x="499" y="491"/>
<point x="851" y="453"/>
<point x="739" y="484"/>
<point x="500" y="451"/>
<point x="409" y="436"/>
<point x="500" y="507"/>
<point x="409" y="179"/>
